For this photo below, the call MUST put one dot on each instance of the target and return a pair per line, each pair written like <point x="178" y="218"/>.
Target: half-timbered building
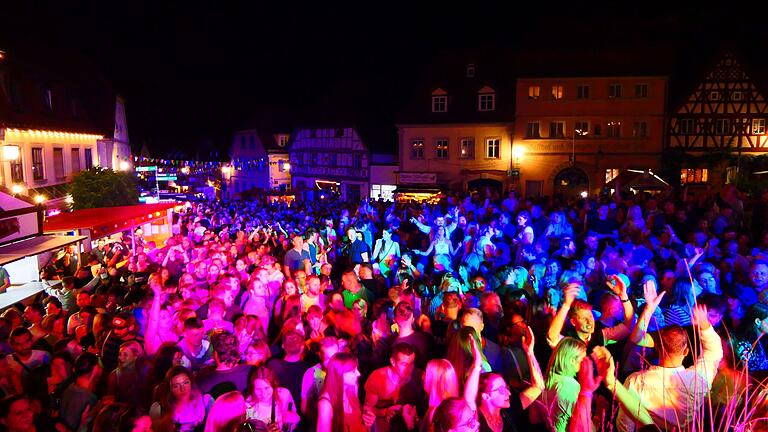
<point x="721" y="119"/>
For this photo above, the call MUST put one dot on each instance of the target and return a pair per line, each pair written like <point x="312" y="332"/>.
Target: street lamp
<point x="581" y="133"/>
<point x="518" y="152"/>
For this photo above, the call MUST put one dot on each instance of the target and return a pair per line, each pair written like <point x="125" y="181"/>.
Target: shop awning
<point x="34" y="246"/>
<point x="106" y="220"/>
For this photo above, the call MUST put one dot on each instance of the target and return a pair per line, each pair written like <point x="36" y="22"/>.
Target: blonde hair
<point x="227" y="412"/>
<point x="561" y="362"/>
<point x="440" y="379"/>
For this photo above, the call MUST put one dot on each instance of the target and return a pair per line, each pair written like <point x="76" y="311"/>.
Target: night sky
<point x="194" y="71"/>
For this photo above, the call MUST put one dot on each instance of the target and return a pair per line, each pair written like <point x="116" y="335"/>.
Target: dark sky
<point x="193" y="71"/>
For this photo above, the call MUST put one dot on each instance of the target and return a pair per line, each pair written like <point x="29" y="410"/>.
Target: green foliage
<point x="103" y="187"/>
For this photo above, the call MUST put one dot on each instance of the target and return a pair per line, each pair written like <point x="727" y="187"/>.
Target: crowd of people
<point x="478" y="312"/>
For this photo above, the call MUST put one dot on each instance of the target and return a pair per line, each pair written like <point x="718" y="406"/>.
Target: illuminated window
<point x="439" y="103"/>
<point x="492" y="148"/>
<point x="17" y="170"/>
<point x="283" y="140"/>
<point x="611" y="173"/>
<point x="417" y="149"/>
<point x="534" y="92"/>
<point x="557" y="92"/>
<point x="614" y="91"/>
<point x="557" y="129"/>
<point x="613" y="129"/>
<point x="722" y="127"/>
<point x="758" y="126"/>
<point x="467" y="148"/>
<point x="37" y="164"/>
<point x="640" y="129"/>
<point x="486" y="102"/>
<point x="582" y="91"/>
<point x="641" y="90"/>
<point x="737" y="96"/>
<point x="694" y="175"/>
<point x="714" y="95"/>
<point x="581" y="128"/>
<point x="532" y="130"/>
<point x="441" y="148"/>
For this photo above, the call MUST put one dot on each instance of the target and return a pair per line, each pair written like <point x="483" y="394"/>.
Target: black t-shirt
<point x="356" y="251"/>
<point x="289" y="375"/>
<point x="217" y="382"/>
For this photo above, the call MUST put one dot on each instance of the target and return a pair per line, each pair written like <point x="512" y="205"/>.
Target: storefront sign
<point x="418" y="178"/>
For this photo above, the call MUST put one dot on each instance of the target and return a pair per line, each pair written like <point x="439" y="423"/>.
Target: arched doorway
<point x="570" y="182"/>
<point x="482" y="184"/>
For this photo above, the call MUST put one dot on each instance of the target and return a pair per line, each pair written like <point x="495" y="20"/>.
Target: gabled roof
<point x="448" y="75"/>
<point x="691" y="72"/>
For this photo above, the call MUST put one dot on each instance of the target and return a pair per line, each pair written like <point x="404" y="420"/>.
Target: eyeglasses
<point x="503" y="390"/>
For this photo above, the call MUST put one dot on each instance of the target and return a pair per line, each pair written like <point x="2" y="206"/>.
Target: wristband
<point x="625" y="300"/>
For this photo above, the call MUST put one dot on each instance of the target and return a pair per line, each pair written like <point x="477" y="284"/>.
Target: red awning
<point x="106" y="220"/>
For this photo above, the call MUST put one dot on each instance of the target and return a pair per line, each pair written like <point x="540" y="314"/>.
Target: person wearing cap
<point x="123" y="330"/>
<point x="582" y="318"/>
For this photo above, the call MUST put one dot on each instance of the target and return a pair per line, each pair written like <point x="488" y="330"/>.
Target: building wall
<point x="279" y="170"/>
<point x="637" y="118"/>
<point x="456" y="169"/>
<point x="26" y="140"/>
<point x="330" y="155"/>
<point x="247" y="146"/>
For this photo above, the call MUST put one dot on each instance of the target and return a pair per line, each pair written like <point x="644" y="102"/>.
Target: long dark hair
<point x="334" y="386"/>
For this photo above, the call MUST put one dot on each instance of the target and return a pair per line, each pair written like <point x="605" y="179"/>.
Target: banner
<point x="418" y="178"/>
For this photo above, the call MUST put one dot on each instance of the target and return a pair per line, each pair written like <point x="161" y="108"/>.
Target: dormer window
<point x="471" y="70"/>
<point x="282" y="140"/>
<point x="486" y="99"/>
<point x="439" y="101"/>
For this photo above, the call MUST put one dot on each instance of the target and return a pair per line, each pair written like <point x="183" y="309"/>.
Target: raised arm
<point x="152" y="340"/>
<point x="581" y="418"/>
<point x="556" y="326"/>
<point x="640" y="334"/>
<point x="530" y="394"/>
<point x="473" y="378"/>
<point x="712" y="349"/>
<point x="631" y="406"/>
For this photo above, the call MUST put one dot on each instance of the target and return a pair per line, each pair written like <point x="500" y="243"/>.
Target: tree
<point x="103" y="187"/>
